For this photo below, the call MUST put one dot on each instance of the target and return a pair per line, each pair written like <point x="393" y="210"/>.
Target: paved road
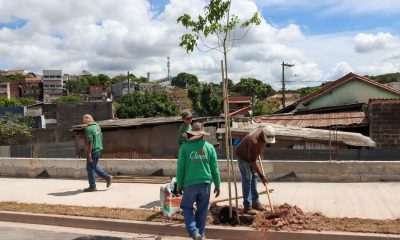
<point x="21" y="231"/>
<point x="375" y="200"/>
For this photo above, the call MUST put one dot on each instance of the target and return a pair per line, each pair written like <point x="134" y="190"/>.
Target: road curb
<point x="172" y="229"/>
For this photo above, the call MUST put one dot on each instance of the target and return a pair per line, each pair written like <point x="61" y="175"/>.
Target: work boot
<point x="198" y="236"/>
<point x="248" y="210"/>
<point x="109" y="181"/>
<point x="258" y="207"/>
<point x="90" y="189"/>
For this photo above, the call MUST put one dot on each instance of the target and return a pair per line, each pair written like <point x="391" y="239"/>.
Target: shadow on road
<point x="151" y="205"/>
<point x="97" y="238"/>
<point x="66" y="193"/>
<point x="74" y="192"/>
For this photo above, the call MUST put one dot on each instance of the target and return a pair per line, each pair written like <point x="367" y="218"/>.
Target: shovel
<point x="266" y="185"/>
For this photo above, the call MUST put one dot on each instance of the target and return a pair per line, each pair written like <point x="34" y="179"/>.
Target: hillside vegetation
<point x="386" y="78"/>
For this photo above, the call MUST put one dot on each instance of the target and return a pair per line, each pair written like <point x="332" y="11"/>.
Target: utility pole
<point x="168" y="65"/>
<point x="283" y="81"/>
<point x="129" y="83"/>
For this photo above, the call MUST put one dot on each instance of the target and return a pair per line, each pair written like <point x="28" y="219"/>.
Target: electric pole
<point x="283" y="81"/>
<point x="129" y="83"/>
<point x="168" y="65"/>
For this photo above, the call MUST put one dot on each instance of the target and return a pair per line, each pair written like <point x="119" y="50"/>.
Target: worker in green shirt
<point x="94" y="138"/>
<point x="197" y="168"/>
<point x="186" y="126"/>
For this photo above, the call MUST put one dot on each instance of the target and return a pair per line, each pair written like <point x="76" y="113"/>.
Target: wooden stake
<point x="239" y="197"/>
<point x="228" y="144"/>
<point x="227" y="152"/>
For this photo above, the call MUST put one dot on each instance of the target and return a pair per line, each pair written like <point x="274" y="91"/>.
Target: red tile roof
<point x="240" y="111"/>
<point x="288" y="96"/>
<point x="317" y="120"/>
<point x="97" y="89"/>
<point x="239" y="99"/>
<point x="32" y="79"/>
<point x="384" y="100"/>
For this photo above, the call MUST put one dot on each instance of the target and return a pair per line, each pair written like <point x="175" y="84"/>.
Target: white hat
<point x="269" y="134"/>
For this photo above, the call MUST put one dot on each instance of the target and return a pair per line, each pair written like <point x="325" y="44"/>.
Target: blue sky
<point x="14" y="23"/>
<point x="313" y="22"/>
<point x="324" y="39"/>
<point x="319" y="17"/>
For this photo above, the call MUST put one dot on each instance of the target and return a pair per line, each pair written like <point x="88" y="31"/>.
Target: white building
<point x="165" y="82"/>
<point x="52" y="85"/>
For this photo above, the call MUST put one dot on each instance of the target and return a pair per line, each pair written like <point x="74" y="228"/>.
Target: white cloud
<point x="340" y="69"/>
<point x="103" y="37"/>
<point x="379" y="69"/>
<point x="369" y="42"/>
<point x="392" y="55"/>
<point x="290" y="33"/>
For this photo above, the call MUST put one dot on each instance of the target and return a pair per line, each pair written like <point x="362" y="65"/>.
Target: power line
<point x="305" y="81"/>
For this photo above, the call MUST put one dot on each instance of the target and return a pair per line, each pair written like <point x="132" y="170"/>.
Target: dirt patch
<point x="286" y="217"/>
<point x="293" y="218"/>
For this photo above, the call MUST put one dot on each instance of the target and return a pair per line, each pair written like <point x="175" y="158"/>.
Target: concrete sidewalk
<point x="377" y="200"/>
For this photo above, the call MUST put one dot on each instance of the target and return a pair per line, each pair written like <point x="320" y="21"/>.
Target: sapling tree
<point x="218" y="29"/>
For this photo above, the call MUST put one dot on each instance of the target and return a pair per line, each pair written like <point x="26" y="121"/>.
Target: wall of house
<point x="69" y="114"/>
<point x="349" y="93"/>
<point x="14" y="89"/>
<point x="384" y="117"/>
<point x="151" y="141"/>
<point x="145" y="141"/>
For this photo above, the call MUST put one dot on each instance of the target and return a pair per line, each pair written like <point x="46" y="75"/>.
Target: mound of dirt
<point x="285" y="217"/>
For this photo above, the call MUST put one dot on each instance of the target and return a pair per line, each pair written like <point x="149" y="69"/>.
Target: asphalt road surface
<point x="22" y="231"/>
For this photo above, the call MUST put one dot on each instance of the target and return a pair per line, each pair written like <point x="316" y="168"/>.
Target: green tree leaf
<point x="14" y="126"/>
<point x="265" y="107"/>
<point x="68" y="98"/>
<point x="145" y="104"/>
<point x="184" y="80"/>
<point x="254" y="88"/>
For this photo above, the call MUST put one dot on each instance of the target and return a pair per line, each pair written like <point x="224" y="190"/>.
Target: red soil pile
<point x="285" y="217"/>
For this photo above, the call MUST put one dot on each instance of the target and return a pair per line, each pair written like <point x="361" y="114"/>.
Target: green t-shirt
<point x="95" y="136"/>
<point x="197" y="163"/>
<point x="182" y="129"/>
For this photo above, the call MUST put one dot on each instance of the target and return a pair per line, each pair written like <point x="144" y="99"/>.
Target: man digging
<point x="252" y="146"/>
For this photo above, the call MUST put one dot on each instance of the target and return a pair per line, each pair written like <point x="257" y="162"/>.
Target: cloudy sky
<point x="323" y="39"/>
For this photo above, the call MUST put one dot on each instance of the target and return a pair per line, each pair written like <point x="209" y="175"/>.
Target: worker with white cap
<point x="247" y="152"/>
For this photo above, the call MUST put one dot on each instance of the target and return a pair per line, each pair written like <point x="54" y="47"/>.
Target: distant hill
<point x="386" y="78"/>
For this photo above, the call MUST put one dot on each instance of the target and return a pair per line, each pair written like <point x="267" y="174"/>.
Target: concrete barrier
<point x="324" y="171"/>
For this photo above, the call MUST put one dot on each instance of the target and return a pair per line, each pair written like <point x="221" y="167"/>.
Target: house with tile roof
<point x="348" y="90"/>
<point x="346" y="105"/>
<point x="32" y="87"/>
